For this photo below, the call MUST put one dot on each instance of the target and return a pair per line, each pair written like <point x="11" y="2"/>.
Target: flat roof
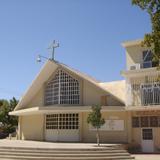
<point x="131" y="43"/>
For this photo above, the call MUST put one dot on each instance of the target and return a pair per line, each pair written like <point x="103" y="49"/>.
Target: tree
<point x="152" y="40"/>
<point x="96" y="120"/>
<point x="8" y="123"/>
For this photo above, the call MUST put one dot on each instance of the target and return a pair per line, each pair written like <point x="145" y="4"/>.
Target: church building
<point x="56" y="105"/>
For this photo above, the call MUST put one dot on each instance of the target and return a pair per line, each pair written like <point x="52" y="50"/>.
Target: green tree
<point x="152" y="40"/>
<point x="96" y="120"/>
<point x="8" y="123"/>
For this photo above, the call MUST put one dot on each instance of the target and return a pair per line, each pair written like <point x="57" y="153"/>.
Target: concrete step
<point x="60" y="152"/>
<point x="98" y="153"/>
<point x="64" y="158"/>
<point x="63" y="149"/>
<point x="65" y="155"/>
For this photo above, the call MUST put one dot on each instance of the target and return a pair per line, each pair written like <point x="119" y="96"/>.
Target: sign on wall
<point x="111" y="125"/>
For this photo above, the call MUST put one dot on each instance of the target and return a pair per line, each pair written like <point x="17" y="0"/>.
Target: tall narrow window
<point x="147" y="59"/>
<point x="62" y="89"/>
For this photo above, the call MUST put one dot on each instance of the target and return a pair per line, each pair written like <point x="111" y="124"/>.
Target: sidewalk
<point x="146" y="156"/>
<point x="38" y="144"/>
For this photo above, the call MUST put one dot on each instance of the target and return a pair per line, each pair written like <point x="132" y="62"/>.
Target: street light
<point x="39" y="58"/>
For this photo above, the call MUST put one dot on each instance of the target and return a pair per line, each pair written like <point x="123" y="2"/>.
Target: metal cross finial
<point x="53" y="46"/>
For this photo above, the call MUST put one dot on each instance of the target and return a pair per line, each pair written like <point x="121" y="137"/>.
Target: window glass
<point x="135" y="122"/>
<point x="144" y="121"/>
<point x="147" y="56"/>
<point x="62" y="89"/>
<point x="147" y="59"/>
<point x="147" y="134"/>
<point x="153" y="121"/>
<point x="62" y="121"/>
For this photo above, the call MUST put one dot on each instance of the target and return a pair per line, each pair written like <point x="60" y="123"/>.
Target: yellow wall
<point x="37" y="100"/>
<point x="92" y="95"/>
<point x="106" y="136"/>
<point x="31" y="127"/>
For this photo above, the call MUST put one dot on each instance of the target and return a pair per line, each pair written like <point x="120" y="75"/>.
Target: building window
<point x="148" y="60"/>
<point x="153" y="121"/>
<point x="62" y="121"/>
<point x="52" y="121"/>
<point x="135" y="122"/>
<point x="62" y="89"/>
<point x="147" y="134"/>
<point x="144" y="121"/>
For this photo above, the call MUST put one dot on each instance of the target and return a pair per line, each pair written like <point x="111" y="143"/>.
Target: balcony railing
<point x="143" y="94"/>
<point x="150" y="94"/>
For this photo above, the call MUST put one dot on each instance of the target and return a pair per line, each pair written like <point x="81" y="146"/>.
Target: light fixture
<point x="39" y="58"/>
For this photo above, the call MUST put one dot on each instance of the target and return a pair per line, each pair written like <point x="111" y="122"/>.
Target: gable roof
<point x="117" y="88"/>
<point x="46" y="71"/>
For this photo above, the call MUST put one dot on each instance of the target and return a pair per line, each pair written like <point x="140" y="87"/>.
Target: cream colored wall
<point x="106" y="136"/>
<point x="134" y="55"/>
<point x="31" y="127"/>
<point x="136" y="135"/>
<point x="37" y="100"/>
<point x="92" y="95"/>
<point x="156" y="134"/>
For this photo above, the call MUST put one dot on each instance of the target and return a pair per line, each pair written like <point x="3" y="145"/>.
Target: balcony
<point x="150" y="94"/>
<point x="144" y="65"/>
<point x="143" y="94"/>
<point x="143" y="69"/>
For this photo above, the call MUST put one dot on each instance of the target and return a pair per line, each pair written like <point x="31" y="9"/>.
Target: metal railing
<point x="150" y="93"/>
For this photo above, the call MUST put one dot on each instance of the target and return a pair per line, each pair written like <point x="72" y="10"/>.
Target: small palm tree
<point x="96" y="120"/>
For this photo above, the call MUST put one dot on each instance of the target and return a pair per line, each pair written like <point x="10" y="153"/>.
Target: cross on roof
<point x="52" y="47"/>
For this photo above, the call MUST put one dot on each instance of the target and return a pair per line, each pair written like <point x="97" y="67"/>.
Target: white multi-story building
<point x="143" y="94"/>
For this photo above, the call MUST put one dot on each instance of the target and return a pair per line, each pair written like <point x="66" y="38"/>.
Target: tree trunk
<point x="97" y="135"/>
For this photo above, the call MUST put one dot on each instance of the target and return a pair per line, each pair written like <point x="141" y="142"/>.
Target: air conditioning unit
<point x="135" y="66"/>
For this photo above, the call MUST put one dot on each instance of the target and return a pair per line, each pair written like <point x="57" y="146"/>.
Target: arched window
<point x="62" y="89"/>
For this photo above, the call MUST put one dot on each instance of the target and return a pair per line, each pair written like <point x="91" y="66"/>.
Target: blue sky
<point x="90" y="33"/>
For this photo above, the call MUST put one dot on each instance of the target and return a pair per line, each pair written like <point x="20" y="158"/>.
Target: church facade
<point x="56" y="105"/>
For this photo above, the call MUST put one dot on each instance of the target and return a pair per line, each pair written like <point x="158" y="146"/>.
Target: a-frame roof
<point x="44" y="74"/>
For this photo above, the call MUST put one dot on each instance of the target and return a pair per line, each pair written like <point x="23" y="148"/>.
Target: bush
<point x="10" y="129"/>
